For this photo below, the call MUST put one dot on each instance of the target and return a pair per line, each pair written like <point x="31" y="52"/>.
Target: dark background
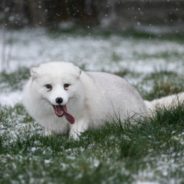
<point x="119" y="14"/>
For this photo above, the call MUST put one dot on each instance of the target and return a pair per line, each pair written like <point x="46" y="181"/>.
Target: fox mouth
<point x="61" y="110"/>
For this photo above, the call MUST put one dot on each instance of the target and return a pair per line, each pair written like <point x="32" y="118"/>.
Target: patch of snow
<point x="31" y="47"/>
<point x="146" y="182"/>
<point x="161" y="170"/>
<point x="178" y="137"/>
<point x="10" y="99"/>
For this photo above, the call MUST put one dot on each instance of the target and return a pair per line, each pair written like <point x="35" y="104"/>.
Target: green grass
<point x="14" y="80"/>
<point x="162" y="83"/>
<point x="106" y="33"/>
<point x="114" y="154"/>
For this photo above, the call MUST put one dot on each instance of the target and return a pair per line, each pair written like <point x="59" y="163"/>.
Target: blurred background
<point x="55" y="18"/>
<point x="116" y="14"/>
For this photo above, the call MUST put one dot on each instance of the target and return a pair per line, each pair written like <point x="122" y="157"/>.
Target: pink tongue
<point x="62" y="110"/>
<point x="69" y="117"/>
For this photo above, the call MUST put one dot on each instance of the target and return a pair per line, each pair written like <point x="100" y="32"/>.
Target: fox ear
<point x="34" y="72"/>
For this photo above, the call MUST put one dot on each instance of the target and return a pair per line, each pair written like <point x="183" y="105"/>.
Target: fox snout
<point x="59" y="100"/>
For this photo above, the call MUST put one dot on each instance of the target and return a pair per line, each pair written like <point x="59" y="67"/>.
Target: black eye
<point x="66" y="85"/>
<point x="48" y="86"/>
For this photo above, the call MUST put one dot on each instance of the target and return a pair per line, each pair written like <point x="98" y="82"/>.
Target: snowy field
<point x="112" y="53"/>
<point x="154" y="66"/>
<point x="25" y="48"/>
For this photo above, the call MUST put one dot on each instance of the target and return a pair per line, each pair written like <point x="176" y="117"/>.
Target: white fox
<point x="63" y="98"/>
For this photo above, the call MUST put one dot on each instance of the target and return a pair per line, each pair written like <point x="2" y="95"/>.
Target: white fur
<point x="93" y="98"/>
<point x="165" y="102"/>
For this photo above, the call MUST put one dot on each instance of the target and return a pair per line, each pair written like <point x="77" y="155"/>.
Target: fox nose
<point x="59" y="100"/>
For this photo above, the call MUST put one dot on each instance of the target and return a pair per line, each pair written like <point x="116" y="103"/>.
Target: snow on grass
<point x="114" y="53"/>
<point x="148" y="154"/>
<point x="165" y="169"/>
<point x="15" y="125"/>
<point x="10" y="99"/>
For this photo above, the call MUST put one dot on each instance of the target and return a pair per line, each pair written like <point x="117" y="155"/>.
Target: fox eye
<point x="48" y="86"/>
<point x="66" y="85"/>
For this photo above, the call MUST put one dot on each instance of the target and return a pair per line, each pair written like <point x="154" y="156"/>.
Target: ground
<point x="150" y="151"/>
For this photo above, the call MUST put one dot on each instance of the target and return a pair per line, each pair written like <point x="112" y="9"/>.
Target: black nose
<point x="59" y="100"/>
